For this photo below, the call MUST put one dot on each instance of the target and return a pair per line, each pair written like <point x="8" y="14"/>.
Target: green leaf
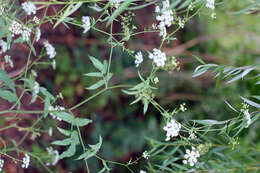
<point x="82" y="121"/>
<point x="250" y="102"/>
<point x="209" y="122"/>
<point x="96" y="63"/>
<point x="70" y="9"/>
<point x="8" y="95"/>
<point x="118" y="11"/>
<point x="63" y="142"/>
<point x="65" y="116"/>
<point x="92" y="151"/>
<point x="64" y="132"/>
<point x="68" y="153"/>
<point x="5" y="78"/>
<point x="96" y="85"/>
<point x="95" y="74"/>
<point x="199" y="59"/>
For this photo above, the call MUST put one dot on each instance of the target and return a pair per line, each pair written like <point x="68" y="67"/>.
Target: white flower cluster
<point x="182" y="107"/>
<point x="138" y="59"/>
<point x="191" y="156"/>
<point x="247" y="117"/>
<point x="9" y="61"/>
<point x="3" y="46"/>
<point x="146" y="155"/>
<point x="86" y="23"/>
<point x="172" y="129"/>
<point x="210" y="4"/>
<point x="158" y="57"/>
<point x="26" y="32"/>
<point x="36" y="19"/>
<point x="1" y="164"/>
<point x="26" y="161"/>
<point x="165" y="17"/>
<point x="50" y="49"/>
<point x="57" y="108"/>
<point x="29" y="8"/>
<point x="16" y="29"/>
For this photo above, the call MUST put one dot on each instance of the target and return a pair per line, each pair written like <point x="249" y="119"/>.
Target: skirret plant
<point x="188" y="145"/>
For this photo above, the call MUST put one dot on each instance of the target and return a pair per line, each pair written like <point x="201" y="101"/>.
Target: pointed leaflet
<point x="92" y="151"/>
<point x="96" y="63"/>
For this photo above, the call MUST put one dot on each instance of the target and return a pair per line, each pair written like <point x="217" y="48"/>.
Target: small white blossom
<point x="1" y="164"/>
<point x="36" y="19"/>
<point x="34" y="73"/>
<point x="15" y="28"/>
<point x="3" y="46"/>
<point x="182" y="107"/>
<point x="156" y="80"/>
<point x="29" y="8"/>
<point x="37" y="34"/>
<point x="191" y="156"/>
<point x="26" y="161"/>
<point x="26" y="32"/>
<point x="86" y="23"/>
<point x="172" y="129"/>
<point x="50" y="49"/>
<point x="247" y="117"/>
<point x="36" y="90"/>
<point x="181" y="22"/>
<point x="142" y="171"/>
<point x="146" y="155"/>
<point x="163" y="30"/>
<point x="210" y="4"/>
<point x="138" y="59"/>
<point x="192" y="135"/>
<point x="9" y="61"/>
<point x="158" y="57"/>
<point x="213" y="15"/>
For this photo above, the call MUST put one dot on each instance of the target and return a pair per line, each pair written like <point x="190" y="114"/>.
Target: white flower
<point x="36" y="90"/>
<point x="182" y="107"/>
<point x="29" y="8"/>
<point x="26" y="161"/>
<point x="191" y="156"/>
<point x="1" y="164"/>
<point x="3" y="46"/>
<point x="210" y="4"/>
<point x="9" y="61"/>
<point x="34" y="73"/>
<point x="158" y="57"/>
<point x="36" y="19"/>
<point x="138" y="59"/>
<point x="26" y="32"/>
<point x="146" y="155"/>
<point x="50" y="49"/>
<point x="156" y="80"/>
<point x="38" y="34"/>
<point x="86" y="23"/>
<point x="247" y="117"/>
<point x="172" y="129"/>
<point x="15" y="28"/>
<point x="142" y="171"/>
<point x="165" y="17"/>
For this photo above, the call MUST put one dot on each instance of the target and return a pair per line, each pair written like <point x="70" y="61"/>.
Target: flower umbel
<point x="50" y="49"/>
<point x="191" y="156"/>
<point x="210" y="4"/>
<point x="29" y="8"/>
<point x="138" y="59"/>
<point x="172" y="129"/>
<point x="158" y="57"/>
<point x="146" y="155"/>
